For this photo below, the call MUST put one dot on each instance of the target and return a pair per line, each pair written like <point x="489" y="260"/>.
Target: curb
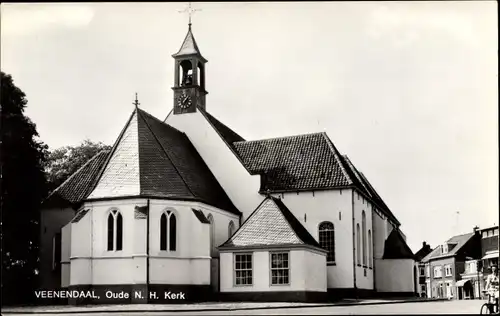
<point x="220" y="309"/>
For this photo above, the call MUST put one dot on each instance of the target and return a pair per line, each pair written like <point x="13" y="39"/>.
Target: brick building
<point x="445" y="264"/>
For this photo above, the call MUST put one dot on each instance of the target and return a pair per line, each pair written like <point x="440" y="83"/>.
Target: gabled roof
<point x="301" y="162"/>
<point x="396" y="247"/>
<point x="79" y="184"/>
<point x="189" y="46"/>
<point x="460" y="241"/>
<point x="149" y="159"/>
<point x="271" y="224"/>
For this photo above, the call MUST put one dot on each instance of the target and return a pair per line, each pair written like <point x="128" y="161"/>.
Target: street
<point x="439" y="307"/>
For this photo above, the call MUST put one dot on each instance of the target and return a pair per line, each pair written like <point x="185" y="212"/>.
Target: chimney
<point x="475" y="228"/>
<point x="424" y="244"/>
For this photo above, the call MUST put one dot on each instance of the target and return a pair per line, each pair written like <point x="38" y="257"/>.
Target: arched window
<point x="115" y="231"/>
<point x="370" y="246"/>
<point x="168" y="231"/>
<point x="363" y="227"/>
<point x="326" y="234"/>
<point x="358" y="244"/>
<point x="212" y="233"/>
<point x="230" y="229"/>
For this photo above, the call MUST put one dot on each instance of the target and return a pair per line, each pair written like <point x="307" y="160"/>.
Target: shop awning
<point x="491" y="255"/>
<point x="462" y="282"/>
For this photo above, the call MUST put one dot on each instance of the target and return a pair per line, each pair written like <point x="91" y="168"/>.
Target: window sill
<point x="366" y="267"/>
<point x="358" y="265"/>
<point x="288" y="284"/>
<point x="331" y="264"/>
<point x="242" y="285"/>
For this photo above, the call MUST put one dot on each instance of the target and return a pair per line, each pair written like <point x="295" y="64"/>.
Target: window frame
<point x="271" y="269"/>
<point x="370" y="249"/>
<point x="230" y="229"/>
<point x="235" y="255"/>
<point x="363" y="239"/>
<point x="440" y="269"/>
<point x="446" y="269"/>
<point x="331" y="252"/>
<point x="114" y="214"/>
<point x="358" y="244"/>
<point x="168" y="213"/>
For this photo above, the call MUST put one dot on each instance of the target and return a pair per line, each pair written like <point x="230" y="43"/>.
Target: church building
<point x="189" y="207"/>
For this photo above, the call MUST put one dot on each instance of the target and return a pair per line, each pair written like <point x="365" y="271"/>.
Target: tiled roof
<point x="80" y="215"/>
<point x="161" y="162"/>
<point x="396" y="247"/>
<point x="271" y="224"/>
<point x="170" y="166"/>
<point x="79" y="184"/>
<point x="459" y="241"/>
<point x="200" y="216"/>
<point x="291" y="163"/>
<point x="225" y="132"/>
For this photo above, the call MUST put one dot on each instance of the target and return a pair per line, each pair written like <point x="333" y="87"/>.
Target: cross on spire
<point x="190" y="11"/>
<point x="136" y="102"/>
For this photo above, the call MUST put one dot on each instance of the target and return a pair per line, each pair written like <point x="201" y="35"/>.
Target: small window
<point x="326" y="233"/>
<point x="243" y="269"/>
<point x="495" y="232"/>
<point x="115" y="231"/>
<point x="422" y="271"/>
<point x="168" y="231"/>
<point x="448" y="270"/>
<point x="230" y="229"/>
<point x="280" y="268"/>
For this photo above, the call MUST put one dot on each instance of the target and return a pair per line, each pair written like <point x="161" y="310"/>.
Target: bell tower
<point x="189" y="83"/>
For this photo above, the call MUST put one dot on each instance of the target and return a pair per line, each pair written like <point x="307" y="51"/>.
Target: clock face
<point x="184" y="101"/>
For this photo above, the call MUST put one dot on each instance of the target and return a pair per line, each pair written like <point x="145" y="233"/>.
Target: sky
<point x="408" y="90"/>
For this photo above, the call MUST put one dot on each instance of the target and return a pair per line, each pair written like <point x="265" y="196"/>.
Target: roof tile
<point x="271" y="224"/>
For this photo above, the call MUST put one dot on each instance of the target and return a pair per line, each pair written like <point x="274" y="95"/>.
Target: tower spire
<point x="136" y="101"/>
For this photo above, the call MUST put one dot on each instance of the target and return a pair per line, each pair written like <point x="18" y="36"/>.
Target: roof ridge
<point x="279" y="137"/>
<point x="78" y="170"/>
<point x="112" y="151"/>
<point x="336" y="154"/>
<point x="286" y="220"/>
<point x="168" y="157"/>
<point x="160" y="121"/>
<point x="238" y="231"/>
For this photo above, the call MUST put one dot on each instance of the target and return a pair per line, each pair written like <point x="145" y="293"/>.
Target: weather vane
<point x="136" y="102"/>
<point x="190" y="11"/>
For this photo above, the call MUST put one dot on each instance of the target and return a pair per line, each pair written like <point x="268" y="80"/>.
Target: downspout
<point x="147" y="250"/>
<point x="353" y="246"/>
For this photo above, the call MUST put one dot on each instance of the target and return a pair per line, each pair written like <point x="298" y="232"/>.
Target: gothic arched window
<point x="115" y="231"/>
<point x="326" y="234"/>
<point x="363" y="227"/>
<point x="168" y="231"/>
<point x="230" y="229"/>
<point x="358" y="244"/>
<point x="212" y="234"/>
<point x="370" y="249"/>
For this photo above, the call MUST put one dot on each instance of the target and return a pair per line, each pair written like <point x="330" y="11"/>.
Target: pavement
<point x="201" y="307"/>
